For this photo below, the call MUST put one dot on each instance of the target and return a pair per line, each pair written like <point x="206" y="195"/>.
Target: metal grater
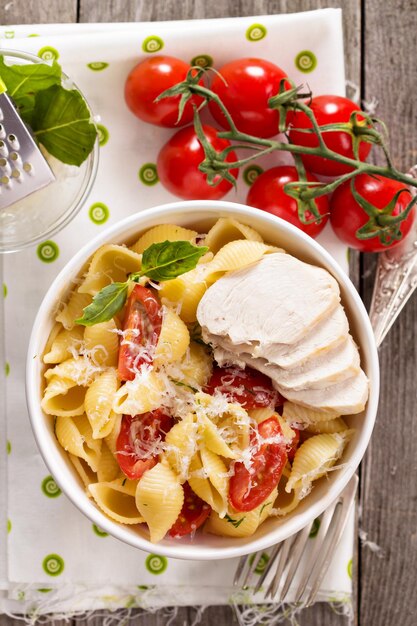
<point x="23" y="168"/>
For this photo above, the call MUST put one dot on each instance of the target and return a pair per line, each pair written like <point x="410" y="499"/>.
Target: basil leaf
<point x="105" y="305"/>
<point x="169" y="259"/>
<point x="26" y="79"/>
<point x="61" y="122"/>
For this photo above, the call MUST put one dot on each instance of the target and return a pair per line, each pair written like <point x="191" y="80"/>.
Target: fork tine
<point x="240" y="568"/>
<point x="347" y="500"/>
<point x="318" y="542"/>
<point x="297" y="550"/>
<point x="268" y="566"/>
<point x="283" y="559"/>
<point x="251" y="567"/>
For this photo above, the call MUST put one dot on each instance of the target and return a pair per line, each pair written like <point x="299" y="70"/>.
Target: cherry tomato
<point x="327" y="110"/>
<point x="248" y="489"/>
<point x="138" y="436"/>
<point x="244" y="87"/>
<point x="193" y="514"/>
<point x="142" y="325"/>
<point x="347" y="216"/>
<point x="248" y="387"/>
<point x="149" y="79"/>
<point x="267" y="193"/>
<point x="178" y="163"/>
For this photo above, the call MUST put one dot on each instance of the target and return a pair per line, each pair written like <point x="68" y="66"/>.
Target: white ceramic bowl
<point x="200" y="215"/>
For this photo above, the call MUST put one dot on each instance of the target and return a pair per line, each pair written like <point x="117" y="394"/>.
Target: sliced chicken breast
<point x="276" y="300"/>
<point x="338" y="364"/>
<point x="323" y="337"/>
<point x="346" y="398"/>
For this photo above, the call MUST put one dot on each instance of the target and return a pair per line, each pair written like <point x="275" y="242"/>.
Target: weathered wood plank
<point x="37" y="11"/>
<point x="389" y="475"/>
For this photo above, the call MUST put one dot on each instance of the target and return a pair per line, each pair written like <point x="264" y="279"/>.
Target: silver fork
<point x="288" y="554"/>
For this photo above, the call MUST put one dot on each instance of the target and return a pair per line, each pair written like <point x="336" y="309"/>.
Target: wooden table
<point x="381" y="57"/>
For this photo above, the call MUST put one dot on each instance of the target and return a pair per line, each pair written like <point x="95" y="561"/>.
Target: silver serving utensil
<point x="395" y="280"/>
<point x="23" y="168"/>
<point x="288" y="554"/>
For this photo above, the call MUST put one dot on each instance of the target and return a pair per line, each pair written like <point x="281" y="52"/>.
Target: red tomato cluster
<point x="245" y="87"/>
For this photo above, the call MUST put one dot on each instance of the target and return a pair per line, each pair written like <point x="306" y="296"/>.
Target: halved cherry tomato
<point x="142" y="326"/>
<point x="248" y="387"/>
<point x="138" y="436"/>
<point x="327" y="110"/>
<point x="178" y="162"/>
<point x="267" y="193"/>
<point x="347" y="216"/>
<point x="193" y="514"/>
<point x="248" y="489"/>
<point x="245" y="86"/>
<point x="148" y="80"/>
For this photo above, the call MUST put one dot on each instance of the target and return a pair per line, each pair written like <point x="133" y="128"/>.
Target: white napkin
<point x="53" y="559"/>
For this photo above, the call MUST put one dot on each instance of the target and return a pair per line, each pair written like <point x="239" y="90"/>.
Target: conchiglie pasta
<point x="185" y="292"/>
<point x="181" y="445"/>
<point x="111" y="438"/>
<point x="336" y="425"/>
<point x="73" y="309"/>
<point x="63" y="397"/>
<point x="286" y="502"/>
<point x="84" y="471"/>
<point x="237" y="523"/>
<point x="196" y="366"/>
<point x="173" y="341"/>
<point x="314" y="457"/>
<point x="208" y="478"/>
<point x="304" y="415"/>
<point x="162" y="232"/>
<point x="102" y="343"/>
<point x="159" y="499"/>
<point x="116" y="501"/>
<point x="110" y="264"/>
<point x="99" y="401"/>
<point x="108" y="468"/>
<point x="80" y="370"/>
<point x="66" y="344"/>
<point x="76" y="437"/>
<point x="140" y="395"/>
<point x="226" y="230"/>
<point x="235" y="255"/>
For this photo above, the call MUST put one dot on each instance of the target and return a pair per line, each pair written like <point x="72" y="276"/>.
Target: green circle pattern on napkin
<point x="202" y="60"/>
<point x="148" y="174"/>
<point x="4" y="290"/>
<point x="47" y="53"/>
<point x="314" y="528"/>
<point x="9" y="526"/>
<point x="97" y="66"/>
<point x="9" y="447"/>
<point x="256" y="32"/>
<point x="98" y="213"/>
<point x="99" y="532"/>
<point x="48" y="251"/>
<point x="349" y="568"/>
<point x="306" y="61"/>
<point x="251" y="173"/>
<point x="50" y="488"/>
<point x="53" y="564"/>
<point x="156" y="564"/>
<point x="103" y="135"/>
<point x="7" y="368"/>
<point x="152" y="44"/>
